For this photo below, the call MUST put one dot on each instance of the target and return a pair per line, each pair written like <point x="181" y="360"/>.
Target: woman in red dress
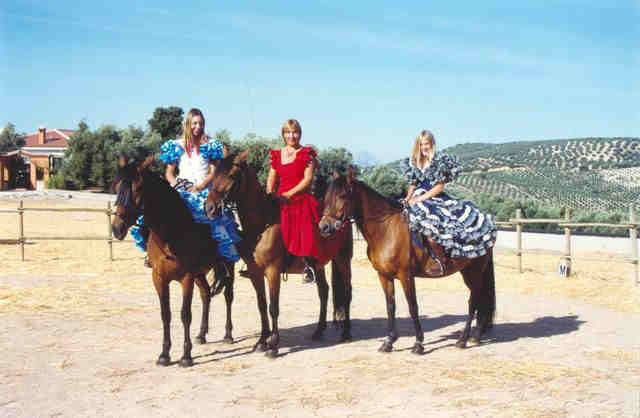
<point x="293" y="166"/>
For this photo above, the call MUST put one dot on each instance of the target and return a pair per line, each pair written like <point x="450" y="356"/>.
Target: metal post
<point x="633" y="236"/>
<point x="565" y="269"/>
<point x="21" y="228"/>
<point x="519" y="238"/>
<point x="109" y="231"/>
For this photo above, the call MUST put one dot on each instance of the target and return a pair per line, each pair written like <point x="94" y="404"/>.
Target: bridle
<point x="124" y="202"/>
<point x="347" y="218"/>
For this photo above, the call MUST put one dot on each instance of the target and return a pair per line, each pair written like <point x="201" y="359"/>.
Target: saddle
<point x="434" y="262"/>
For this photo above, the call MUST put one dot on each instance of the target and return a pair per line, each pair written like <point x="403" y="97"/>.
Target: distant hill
<point x="601" y="174"/>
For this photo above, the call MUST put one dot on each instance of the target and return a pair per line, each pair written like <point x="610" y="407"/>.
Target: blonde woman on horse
<point x="454" y="228"/>
<point x="190" y="170"/>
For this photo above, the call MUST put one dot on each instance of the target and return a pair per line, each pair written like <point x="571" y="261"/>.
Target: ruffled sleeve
<point x="212" y="150"/>
<point x="444" y="168"/>
<point x="307" y="154"/>
<point x="170" y="152"/>
<point x="410" y="173"/>
<point x="275" y="159"/>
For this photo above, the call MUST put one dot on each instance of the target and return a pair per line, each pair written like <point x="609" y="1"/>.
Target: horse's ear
<point x="146" y="163"/>
<point x="242" y="157"/>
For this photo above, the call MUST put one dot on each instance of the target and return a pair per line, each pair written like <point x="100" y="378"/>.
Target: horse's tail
<point x="487" y="300"/>
<point x="341" y="278"/>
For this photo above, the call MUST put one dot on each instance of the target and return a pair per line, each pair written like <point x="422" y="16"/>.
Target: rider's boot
<point x="223" y="271"/>
<point x="309" y="269"/>
<point x="439" y="257"/>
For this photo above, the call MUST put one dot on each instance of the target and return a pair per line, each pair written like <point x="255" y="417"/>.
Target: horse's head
<point x="229" y="182"/>
<point x="128" y="186"/>
<point x="338" y="204"/>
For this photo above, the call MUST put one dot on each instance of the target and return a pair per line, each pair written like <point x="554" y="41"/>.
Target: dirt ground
<point x="81" y="334"/>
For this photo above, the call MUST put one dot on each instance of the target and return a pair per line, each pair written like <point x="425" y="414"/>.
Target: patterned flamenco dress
<point x="457" y="225"/>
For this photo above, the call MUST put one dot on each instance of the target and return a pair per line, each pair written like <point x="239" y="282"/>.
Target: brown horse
<point x="178" y="248"/>
<point x="392" y="254"/>
<point x="264" y="252"/>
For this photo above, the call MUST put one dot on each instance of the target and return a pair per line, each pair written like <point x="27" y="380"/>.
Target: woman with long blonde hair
<point x="190" y="170"/>
<point x="455" y="228"/>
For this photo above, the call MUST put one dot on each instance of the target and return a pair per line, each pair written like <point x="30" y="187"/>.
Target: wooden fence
<point x="22" y="239"/>
<point x="565" y="267"/>
<point x="518" y="222"/>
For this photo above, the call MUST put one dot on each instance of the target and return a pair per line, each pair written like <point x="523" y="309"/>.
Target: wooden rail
<point x="565" y="267"/>
<point x="22" y="239"/>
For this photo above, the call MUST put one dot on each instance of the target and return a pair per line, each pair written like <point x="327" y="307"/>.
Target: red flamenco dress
<point x="299" y="216"/>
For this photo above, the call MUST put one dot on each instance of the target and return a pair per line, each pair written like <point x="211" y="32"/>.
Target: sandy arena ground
<point x="81" y="335"/>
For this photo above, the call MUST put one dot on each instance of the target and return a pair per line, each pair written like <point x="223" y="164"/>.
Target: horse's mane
<point x="340" y="183"/>
<point x="166" y="201"/>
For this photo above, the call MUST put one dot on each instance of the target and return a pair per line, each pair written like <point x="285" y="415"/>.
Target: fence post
<point x="21" y="228"/>
<point x="565" y="269"/>
<point x="633" y="235"/>
<point x="109" y="231"/>
<point x="519" y="239"/>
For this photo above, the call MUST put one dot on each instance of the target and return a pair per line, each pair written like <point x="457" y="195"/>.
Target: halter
<point x="345" y="219"/>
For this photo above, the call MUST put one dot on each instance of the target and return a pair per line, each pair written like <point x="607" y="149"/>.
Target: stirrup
<point x="436" y="271"/>
<point x="309" y="275"/>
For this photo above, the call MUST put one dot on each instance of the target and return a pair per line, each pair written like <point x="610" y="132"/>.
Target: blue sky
<point x="367" y="76"/>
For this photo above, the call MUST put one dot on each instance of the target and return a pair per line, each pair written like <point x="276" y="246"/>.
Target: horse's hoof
<point x="163" y="361"/>
<point x="186" y="362"/>
<point x="461" y="344"/>
<point x="346" y="338"/>
<point x="227" y="340"/>
<point x="418" y="348"/>
<point x="385" y="347"/>
<point x="317" y="336"/>
<point x="261" y="348"/>
<point x="272" y="353"/>
<point x="201" y="339"/>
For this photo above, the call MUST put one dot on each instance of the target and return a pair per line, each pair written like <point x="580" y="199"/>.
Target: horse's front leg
<point x="205" y="297"/>
<point x="187" y="298"/>
<point x="256" y="275"/>
<point x="409" y="287"/>
<point x="323" y="293"/>
<point x="392" y="332"/>
<point x="228" y="298"/>
<point x="162" y="289"/>
<point x="273" y="277"/>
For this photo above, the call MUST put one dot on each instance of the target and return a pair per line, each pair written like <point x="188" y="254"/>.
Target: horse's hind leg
<point x="392" y="332"/>
<point x="409" y="287"/>
<point x="323" y="293"/>
<point x="228" y="298"/>
<point x="187" y="297"/>
<point x="205" y="297"/>
<point x="466" y="332"/>
<point x="162" y="288"/>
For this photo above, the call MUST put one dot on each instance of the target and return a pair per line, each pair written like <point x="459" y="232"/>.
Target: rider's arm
<point x="271" y="180"/>
<point x="303" y="184"/>
<point x="435" y="191"/>
<point x="412" y="187"/>
<point x="208" y="179"/>
<point x="170" y="174"/>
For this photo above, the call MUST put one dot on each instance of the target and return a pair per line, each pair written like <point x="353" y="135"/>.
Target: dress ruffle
<point x="171" y="151"/>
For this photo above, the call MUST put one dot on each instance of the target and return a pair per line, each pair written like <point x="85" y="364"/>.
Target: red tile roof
<point x="55" y="138"/>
